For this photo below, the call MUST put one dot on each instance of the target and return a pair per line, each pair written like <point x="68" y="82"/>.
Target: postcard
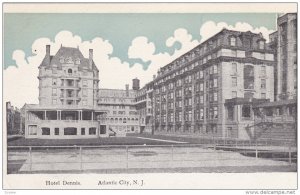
<point x="150" y="96"/>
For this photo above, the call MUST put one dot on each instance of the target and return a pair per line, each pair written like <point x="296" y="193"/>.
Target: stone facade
<point x="285" y="43"/>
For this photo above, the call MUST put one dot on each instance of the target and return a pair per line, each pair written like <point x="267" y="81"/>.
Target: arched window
<point x="69" y="71"/>
<point x="61" y="60"/>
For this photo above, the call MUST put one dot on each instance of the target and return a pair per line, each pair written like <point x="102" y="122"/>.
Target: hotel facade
<point x="211" y="89"/>
<point x="71" y="105"/>
<point x="218" y="89"/>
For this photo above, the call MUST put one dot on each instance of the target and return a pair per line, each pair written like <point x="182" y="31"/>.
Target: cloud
<point x="210" y="28"/>
<point x="20" y="80"/>
<point x="141" y="48"/>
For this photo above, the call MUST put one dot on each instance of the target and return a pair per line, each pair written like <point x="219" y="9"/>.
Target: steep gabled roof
<point x="66" y="52"/>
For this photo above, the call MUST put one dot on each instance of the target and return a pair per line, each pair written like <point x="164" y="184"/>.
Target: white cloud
<point x="21" y="83"/>
<point x="210" y="28"/>
<point x="141" y="48"/>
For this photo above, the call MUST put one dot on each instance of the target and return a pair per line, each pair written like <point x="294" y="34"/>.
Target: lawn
<point x="87" y="142"/>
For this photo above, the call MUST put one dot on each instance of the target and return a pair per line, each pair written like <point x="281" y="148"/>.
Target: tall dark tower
<point x="135" y="84"/>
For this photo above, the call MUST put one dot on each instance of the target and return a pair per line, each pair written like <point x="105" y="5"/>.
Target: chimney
<point x="135" y="84"/>
<point x="127" y="90"/>
<point x="47" y="57"/>
<point x="90" y="58"/>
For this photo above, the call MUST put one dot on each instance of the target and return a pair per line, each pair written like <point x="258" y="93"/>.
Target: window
<point x="246" y="111"/>
<point x="54" y="70"/>
<point x="211" y="84"/>
<point x="248" y="95"/>
<point x="263" y="83"/>
<point x="84" y="83"/>
<point x="82" y="131"/>
<point x="269" y="112"/>
<point x="215" y="82"/>
<point x="56" y="131"/>
<point x="32" y="130"/>
<point x="201" y="114"/>
<point x="54" y="81"/>
<point x="279" y="111"/>
<point x="45" y="131"/>
<point x="54" y="91"/>
<point x="234" y="94"/>
<point x="70" y="131"/>
<point x="234" y="68"/>
<point x="263" y="95"/>
<point x="188" y="115"/>
<point x="178" y="83"/>
<point x="61" y="60"/>
<point x="232" y="41"/>
<point x="215" y="112"/>
<point x="201" y="99"/>
<point x="54" y="101"/>
<point x="211" y="113"/>
<point x="69" y="71"/>
<point x="230" y="113"/>
<point x="248" y="77"/>
<point x="77" y="61"/>
<point x="211" y="97"/>
<point x="92" y="131"/>
<point x="234" y="81"/>
<point x="215" y="96"/>
<point x="179" y="104"/>
<point x="84" y="102"/>
<point x="201" y="87"/>
<point x="179" y="116"/>
<point x="84" y="92"/>
<point x="188" y="79"/>
<point x="261" y="44"/>
<point x="201" y="74"/>
<point x="263" y="71"/>
<point x="215" y="69"/>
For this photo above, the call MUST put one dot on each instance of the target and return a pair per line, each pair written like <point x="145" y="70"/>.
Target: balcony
<point x="71" y="76"/>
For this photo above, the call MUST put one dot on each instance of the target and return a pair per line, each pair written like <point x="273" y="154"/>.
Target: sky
<point x="125" y="46"/>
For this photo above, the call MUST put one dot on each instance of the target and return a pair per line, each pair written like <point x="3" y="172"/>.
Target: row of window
<point x="248" y="72"/>
<point x="210" y="128"/>
<point x="249" y="83"/>
<point x="69" y="131"/>
<point x="123" y="120"/>
<point x="211" y="113"/>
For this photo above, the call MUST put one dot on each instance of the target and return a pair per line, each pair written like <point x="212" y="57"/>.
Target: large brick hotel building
<point x="210" y="89"/>
<point x="219" y="88"/>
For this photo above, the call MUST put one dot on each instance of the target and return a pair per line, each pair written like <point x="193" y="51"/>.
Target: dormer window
<point x="261" y="44"/>
<point x="69" y="60"/>
<point x="77" y="61"/>
<point x="61" y="60"/>
<point x="232" y="41"/>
